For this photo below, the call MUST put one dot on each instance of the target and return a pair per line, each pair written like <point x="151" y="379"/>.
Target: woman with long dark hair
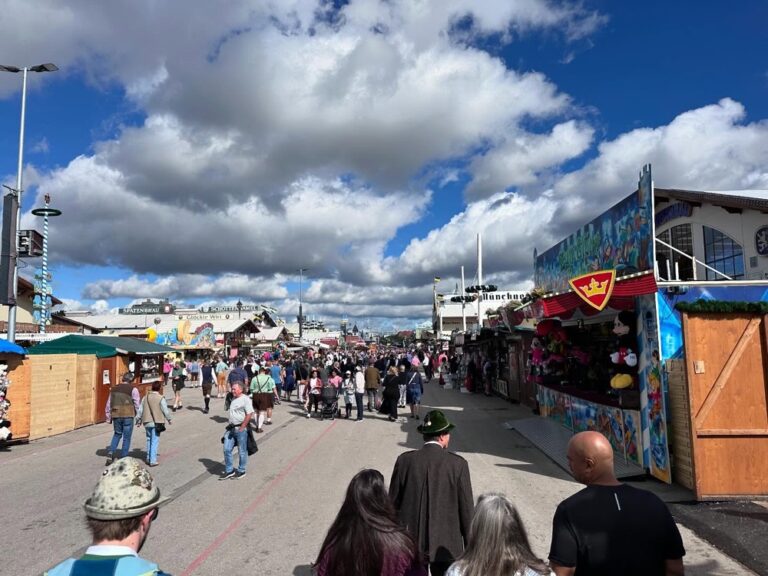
<point x="498" y="543"/>
<point x="391" y="394"/>
<point x="365" y="539"/>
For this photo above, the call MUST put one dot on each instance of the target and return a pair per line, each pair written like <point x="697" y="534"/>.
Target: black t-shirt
<point x="611" y="530"/>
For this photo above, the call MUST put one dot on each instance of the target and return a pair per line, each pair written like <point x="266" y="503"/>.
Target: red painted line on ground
<point x="205" y="554"/>
<point x="168" y="455"/>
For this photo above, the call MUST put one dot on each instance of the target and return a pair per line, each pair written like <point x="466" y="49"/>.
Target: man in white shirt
<point x="240" y="414"/>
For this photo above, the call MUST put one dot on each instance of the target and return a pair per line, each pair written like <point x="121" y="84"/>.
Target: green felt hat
<point x="435" y="422"/>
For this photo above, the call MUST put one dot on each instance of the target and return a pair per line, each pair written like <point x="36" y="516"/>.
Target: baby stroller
<point x="329" y="396"/>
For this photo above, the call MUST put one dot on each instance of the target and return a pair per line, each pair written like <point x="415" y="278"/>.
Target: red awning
<point x="622" y="298"/>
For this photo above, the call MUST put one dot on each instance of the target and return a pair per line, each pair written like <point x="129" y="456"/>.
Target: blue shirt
<point x="276" y="371"/>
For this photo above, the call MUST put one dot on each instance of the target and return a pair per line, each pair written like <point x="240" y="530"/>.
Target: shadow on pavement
<point x="303" y="570"/>
<point x="220" y="419"/>
<point x="214" y="467"/>
<point x="736" y="528"/>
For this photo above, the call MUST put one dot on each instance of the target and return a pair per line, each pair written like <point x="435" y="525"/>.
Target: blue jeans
<point x="241" y="439"/>
<point x="123" y="429"/>
<point x="153" y="440"/>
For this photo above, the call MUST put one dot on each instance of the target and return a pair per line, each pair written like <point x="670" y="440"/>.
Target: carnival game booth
<point x="652" y="329"/>
<point x="595" y="338"/>
<point x="71" y="378"/>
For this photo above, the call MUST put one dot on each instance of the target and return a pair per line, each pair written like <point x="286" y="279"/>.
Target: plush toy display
<point x="624" y="357"/>
<point x="549" y="350"/>
<point x="537" y="359"/>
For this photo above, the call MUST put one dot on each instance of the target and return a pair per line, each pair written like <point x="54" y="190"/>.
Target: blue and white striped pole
<point x="45" y="300"/>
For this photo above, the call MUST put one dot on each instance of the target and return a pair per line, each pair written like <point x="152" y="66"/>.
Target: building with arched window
<point x="711" y="235"/>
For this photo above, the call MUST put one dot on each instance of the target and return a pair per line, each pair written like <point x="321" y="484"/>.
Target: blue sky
<point x="367" y="141"/>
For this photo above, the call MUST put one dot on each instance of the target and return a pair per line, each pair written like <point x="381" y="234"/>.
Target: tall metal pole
<point x="14" y="256"/>
<point x="301" y="311"/>
<point x="479" y="280"/>
<point x="44" y="279"/>
<point x="463" y="311"/>
<point x="44" y="305"/>
<point x="19" y="168"/>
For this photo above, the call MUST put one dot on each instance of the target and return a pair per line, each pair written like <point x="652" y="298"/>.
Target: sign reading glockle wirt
<point x="595" y="288"/>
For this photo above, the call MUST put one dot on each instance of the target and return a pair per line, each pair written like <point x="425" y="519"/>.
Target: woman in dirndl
<point x="264" y="394"/>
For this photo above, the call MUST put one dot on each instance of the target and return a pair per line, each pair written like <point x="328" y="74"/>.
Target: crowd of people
<point x="322" y="384"/>
<point x="426" y="522"/>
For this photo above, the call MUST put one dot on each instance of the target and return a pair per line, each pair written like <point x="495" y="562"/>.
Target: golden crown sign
<point x="595" y="288"/>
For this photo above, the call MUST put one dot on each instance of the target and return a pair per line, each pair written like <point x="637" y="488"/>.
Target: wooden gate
<point x="727" y="366"/>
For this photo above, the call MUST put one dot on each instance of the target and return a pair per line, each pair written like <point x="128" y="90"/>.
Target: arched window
<point x="681" y="238"/>
<point x="723" y="253"/>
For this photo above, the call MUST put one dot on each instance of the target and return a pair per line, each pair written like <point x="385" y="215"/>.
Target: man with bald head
<point x="610" y="528"/>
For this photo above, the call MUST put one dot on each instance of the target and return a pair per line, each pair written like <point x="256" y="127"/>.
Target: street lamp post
<point x="14" y="249"/>
<point x="239" y="306"/>
<point x="301" y="312"/>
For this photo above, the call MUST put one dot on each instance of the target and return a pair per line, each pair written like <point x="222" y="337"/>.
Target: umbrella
<point x="11" y="348"/>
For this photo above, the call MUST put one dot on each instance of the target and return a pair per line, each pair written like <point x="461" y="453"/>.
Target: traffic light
<point x="30" y="244"/>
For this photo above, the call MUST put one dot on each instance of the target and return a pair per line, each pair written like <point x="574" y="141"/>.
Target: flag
<point x="437" y="279"/>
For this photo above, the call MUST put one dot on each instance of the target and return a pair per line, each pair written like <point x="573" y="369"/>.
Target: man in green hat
<point x="120" y="511"/>
<point x="432" y="492"/>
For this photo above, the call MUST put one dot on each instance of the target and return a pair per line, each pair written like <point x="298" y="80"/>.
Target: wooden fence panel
<point x="54" y="380"/>
<point x="680" y="424"/>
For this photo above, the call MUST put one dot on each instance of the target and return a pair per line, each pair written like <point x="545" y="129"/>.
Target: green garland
<point x="722" y="307"/>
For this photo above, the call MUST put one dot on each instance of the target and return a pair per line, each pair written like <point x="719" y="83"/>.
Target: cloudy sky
<point x="204" y="151"/>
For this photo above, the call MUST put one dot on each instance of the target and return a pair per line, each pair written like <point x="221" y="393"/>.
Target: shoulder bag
<point x="252" y="447"/>
<point x="159" y="426"/>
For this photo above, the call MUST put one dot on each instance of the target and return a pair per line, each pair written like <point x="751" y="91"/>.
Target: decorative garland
<point x="722" y="307"/>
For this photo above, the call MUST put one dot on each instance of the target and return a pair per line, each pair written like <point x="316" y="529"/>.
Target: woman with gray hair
<point x="498" y="544"/>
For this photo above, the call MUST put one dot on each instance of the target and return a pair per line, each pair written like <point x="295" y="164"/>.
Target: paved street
<point x="272" y="521"/>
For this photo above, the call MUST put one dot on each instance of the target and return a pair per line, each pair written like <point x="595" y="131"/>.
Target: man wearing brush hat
<point x="120" y="512"/>
<point x="432" y="493"/>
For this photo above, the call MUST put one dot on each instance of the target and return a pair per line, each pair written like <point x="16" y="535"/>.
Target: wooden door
<point x="727" y="366"/>
<point x="85" y="390"/>
<point x="105" y="378"/>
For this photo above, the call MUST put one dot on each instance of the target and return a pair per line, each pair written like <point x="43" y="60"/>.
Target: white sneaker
<point x="309" y="415"/>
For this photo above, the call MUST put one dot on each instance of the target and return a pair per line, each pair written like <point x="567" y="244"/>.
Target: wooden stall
<point x="726" y="378"/>
<point x="71" y="378"/>
<point x="19" y="392"/>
